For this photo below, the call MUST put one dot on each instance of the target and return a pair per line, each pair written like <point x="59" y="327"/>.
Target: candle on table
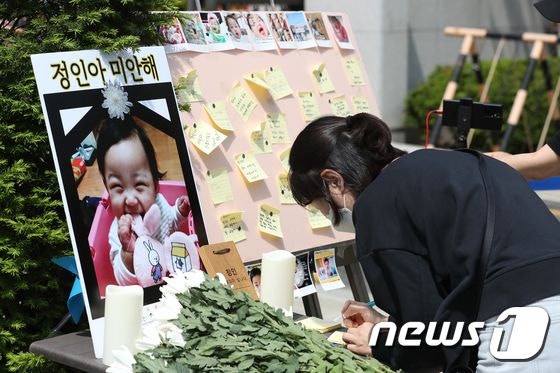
<point x="123" y="319"/>
<point x="277" y="279"/>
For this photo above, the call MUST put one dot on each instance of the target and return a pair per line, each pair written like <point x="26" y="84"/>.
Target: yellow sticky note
<point x="322" y="79"/>
<point x="336" y="337"/>
<point x="256" y="78"/>
<point x="278" y="128"/>
<point x="316" y="218"/>
<point x="205" y="137"/>
<point x="286" y="197"/>
<point x="260" y="140"/>
<point x="353" y="71"/>
<point x="188" y="89"/>
<point x="361" y="104"/>
<point x="220" y="187"/>
<point x="249" y="167"/>
<point x="277" y="83"/>
<point x="309" y="106"/>
<point x="242" y="101"/>
<point x="322" y="326"/>
<point x="218" y="113"/>
<point x="269" y="220"/>
<point x="339" y="106"/>
<point x="232" y="227"/>
<point x="285" y="159"/>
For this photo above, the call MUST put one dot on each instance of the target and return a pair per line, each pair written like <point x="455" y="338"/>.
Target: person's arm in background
<point x="541" y="164"/>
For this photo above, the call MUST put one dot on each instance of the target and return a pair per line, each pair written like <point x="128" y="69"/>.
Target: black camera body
<point x="466" y="114"/>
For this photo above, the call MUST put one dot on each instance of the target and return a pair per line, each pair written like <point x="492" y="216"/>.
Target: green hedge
<point x="33" y="230"/>
<point x="507" y="79"/>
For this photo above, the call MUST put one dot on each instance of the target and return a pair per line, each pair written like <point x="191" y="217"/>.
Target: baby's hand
<point x="125" y="232"/>
<point x="183" y="205"/>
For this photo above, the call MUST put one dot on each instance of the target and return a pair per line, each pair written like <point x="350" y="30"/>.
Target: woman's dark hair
<point x="357" y="147"/>
<point x="113" y="131"/>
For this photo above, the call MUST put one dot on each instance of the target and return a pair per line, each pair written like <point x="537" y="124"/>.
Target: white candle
<point x="123" y="319"/>
<point x="277" y="279"/>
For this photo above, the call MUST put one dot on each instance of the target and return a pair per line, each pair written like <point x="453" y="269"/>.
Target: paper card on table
<point x="220" y="187"/>
<point x="232" y="227"/>
<point x="277" y="83"/>
<point x="224" y="258"/>
<point x="315" y="323"/>
<point x="353" y="71"/>
<point x="339" y="106"/>
<point x="361" y="104"/>
<point x="327" y="271"/>
<point x="316" y="218"/>
<point x="336" y="338"/>
<point x="303" y="278"/>
<point x="269" y="220"/>
<point x="188" y="89"/>
<point x="286" y="197"/>
<point x="278" y="128"/>
<point x="257" y="78"/>
<point x="242" y="101"/>
<point x="285" y="159"/>
<point x="205" y="137"/>
<point x="249" y="167"/>
<point x="260" y="141"/>
<point x="309" y="106"/>
<point x="322" y="79"/>
<point x="218" y="113"/>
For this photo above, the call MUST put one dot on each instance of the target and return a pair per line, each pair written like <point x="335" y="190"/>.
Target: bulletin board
<point x="217" y="72"/>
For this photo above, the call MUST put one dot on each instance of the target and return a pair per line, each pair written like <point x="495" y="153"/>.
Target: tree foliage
<point x="33" y="228"/>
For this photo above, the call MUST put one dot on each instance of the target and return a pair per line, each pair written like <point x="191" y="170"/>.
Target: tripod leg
<point x="520" y="97"/>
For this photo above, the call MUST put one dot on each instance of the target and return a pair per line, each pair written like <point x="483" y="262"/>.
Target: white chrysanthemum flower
<point x="221" y="278"/>
<point x="150" y="337"/>
<point x="116" y="100"/>
<point x="172" y="334"/>
<point x="169" y="308"/>
<point x="182" y="282"/>
<point x="123" y="361"/>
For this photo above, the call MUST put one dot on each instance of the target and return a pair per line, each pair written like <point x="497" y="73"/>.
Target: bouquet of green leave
<point x="202" y="325"/>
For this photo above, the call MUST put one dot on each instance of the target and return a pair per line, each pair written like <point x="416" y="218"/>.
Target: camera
<point x="466" y="114"/>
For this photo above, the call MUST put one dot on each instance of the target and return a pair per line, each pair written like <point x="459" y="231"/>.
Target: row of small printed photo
<point x="253" y="31"/>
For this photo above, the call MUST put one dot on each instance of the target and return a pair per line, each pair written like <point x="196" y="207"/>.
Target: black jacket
<point x="419" y="230"/>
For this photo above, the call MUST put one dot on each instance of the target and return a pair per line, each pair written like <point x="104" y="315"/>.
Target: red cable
<point x="428" y="125"/>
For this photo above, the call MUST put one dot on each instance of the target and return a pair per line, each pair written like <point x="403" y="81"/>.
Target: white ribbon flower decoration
<point x="116" y="100"/>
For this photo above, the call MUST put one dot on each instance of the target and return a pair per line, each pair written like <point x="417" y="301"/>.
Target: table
<point x="73" y="350"/>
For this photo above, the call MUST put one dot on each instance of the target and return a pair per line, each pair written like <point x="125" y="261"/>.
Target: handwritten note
<point x="220" y="187"/>
<point x="309" y="106"/>
<point x="188" y="89"/>
<point x="339" y="106"/>
<point x="285" y="159"/>
<point x="316" y="218"/>
<point x="322" y="79"/>
<point x="278" y="128"/>
<point x="353" y="71"/>
<point x="286" y="197"/>
<point x="277" y="83"/>
<point x="232" y="227"/>
<point x="249" y="167"/>
<point x="260" y="140"/>
<point x="361" y="104"/>
<point x="218" y="113"/>
<point x="269" y="220"/>
<point x="205" y="137"/>
<point x="242" y="101"/>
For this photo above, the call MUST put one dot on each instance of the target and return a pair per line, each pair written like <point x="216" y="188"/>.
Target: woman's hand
<point x="357" y="339"/>
<point x="356" y="313"/>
